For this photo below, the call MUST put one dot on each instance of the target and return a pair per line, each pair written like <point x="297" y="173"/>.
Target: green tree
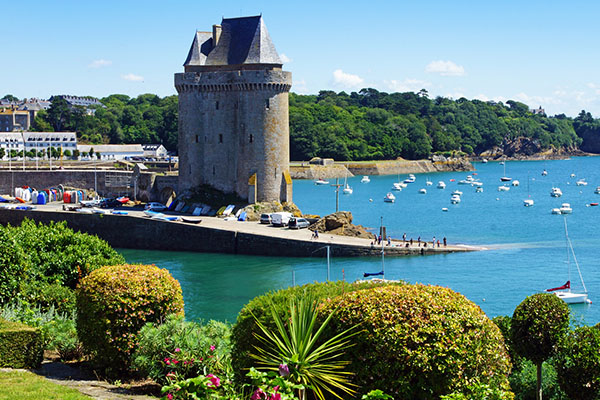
<point x="91" y="152"/>
<point x="578" y="364"/>
<point x="59" y="113"/>
<point x="538" y="324"/>
<point x="76" y="154"/>
<point x="2" y="153"/>
<point x="10" y="97"/>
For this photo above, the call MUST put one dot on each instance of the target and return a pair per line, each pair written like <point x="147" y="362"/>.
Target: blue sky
<point x="538" y="52"/>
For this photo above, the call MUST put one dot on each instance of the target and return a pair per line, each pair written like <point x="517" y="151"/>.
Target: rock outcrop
<point x="340" y="223"/>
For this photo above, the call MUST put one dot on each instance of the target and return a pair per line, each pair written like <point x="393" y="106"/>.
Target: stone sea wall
<point x="143" y="233"/>
<point x="340" y="170"/>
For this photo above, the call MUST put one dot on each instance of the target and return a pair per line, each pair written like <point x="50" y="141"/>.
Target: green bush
<point x="115" y="302"/>
<point x="61" y="336"/>
<point x="21" y="346"/>
<point x="243" y="335"/>
<point x="523" y="381"/>
<point x="420" y="342"/>
<point x="47" y="295"/>
<point x="36" y="259"/>
<point x="578" y="364"/>
<point x="203" y="349"/>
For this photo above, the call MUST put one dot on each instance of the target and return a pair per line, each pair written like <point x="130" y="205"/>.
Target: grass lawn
<point x="28" y="386"/>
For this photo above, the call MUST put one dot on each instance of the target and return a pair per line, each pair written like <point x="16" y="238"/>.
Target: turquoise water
<point x="526" y="245"/>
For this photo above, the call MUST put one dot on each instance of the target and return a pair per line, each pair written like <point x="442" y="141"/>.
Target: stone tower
<point x="233" y="113"/>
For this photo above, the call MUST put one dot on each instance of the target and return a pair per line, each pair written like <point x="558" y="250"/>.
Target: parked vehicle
<point x="298" y="223"/>
<point x="155" y="206"/>
<point x="110" y="203"/>
<point x="281" y="218"/>
<point x="265" y="219"/>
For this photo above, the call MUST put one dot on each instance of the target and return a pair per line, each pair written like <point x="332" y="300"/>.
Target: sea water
<point x="526" y="247"/>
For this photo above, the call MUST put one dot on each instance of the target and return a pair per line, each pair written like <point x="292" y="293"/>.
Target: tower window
<point x="267" y="104"/>
<point x="251" y="138"/>
<point x="217" y="105"/>
<point x="214" y="170"/>
<point x="220" y="138"/>
<point x="197" y="141"/>
<point x="235" y="105"/>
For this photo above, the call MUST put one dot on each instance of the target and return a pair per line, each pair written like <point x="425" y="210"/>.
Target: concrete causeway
<point x="215" y="235"/>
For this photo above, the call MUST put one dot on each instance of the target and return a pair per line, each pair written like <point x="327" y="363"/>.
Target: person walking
<point x="404" y="237"/>
<point x="433" y="242"/>
<point x="445" y="241"/>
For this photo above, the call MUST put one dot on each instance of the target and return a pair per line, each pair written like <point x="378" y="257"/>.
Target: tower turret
<point x="233" y="113"/>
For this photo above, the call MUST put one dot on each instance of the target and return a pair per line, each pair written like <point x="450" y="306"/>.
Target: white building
<point x="112" y="151"/>
<point x="39" y="141"/>
<point x="155" y="150"/>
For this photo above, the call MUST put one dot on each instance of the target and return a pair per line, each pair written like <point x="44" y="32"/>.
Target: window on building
<point x="220" y="138"/>
<point x="267" y="104"/>
<point x="217" y="105"/>
<point x="251" y="138"/>
<point x="197" y="141"/>
<point x="214" y="171"/>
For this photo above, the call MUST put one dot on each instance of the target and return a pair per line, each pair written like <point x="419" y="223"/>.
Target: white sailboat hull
<point x="572" y="298"/>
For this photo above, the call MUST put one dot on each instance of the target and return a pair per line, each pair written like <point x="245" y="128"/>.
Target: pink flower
<point x="214" y="381"/>
<point x="177" y="350"/>
<point x="276" y="388"/>
<point x="258" y="394"/>
<point x="212" y="347"/>
<point x="166" y="359"/>
<point x="170" y="396"/>
<point x="284" y="370"/>
<point x="276" y="396"/>
<point x="175" y="362"/>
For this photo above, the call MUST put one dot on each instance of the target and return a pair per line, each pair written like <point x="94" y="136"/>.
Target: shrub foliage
<point x="245" y="331"/>
<point x="420" y="341"/>
<point x="114" y="302"/>
<point x="21" y="346"/>
<point x="183" y="347"/>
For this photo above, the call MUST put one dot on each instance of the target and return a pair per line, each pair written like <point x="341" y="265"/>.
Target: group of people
<point x="410" y="242"/>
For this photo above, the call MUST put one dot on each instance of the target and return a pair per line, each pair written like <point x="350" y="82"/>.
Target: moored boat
<point x="555" y="192"/>
<point x="389" y="198"/>
<point x="321" y="181"/>
<point x="441" y="185"/>
<point x="365" y="179"/>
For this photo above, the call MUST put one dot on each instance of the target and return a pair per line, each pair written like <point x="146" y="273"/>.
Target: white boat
<point x="484" y="160"/>
<point x="411" y="179"/>
<point x="565" y="208"/>
<point x="402" y="184"/>
<point x="581" y="182"/>
<point x="503" y="188"/>
<point x="455" y="199"/>
<point x="505" y="178"/>
<point x="476" y="183"/>
<point x="528" y="202"/>
<point x="515" y="183"/>
<point x="479" y="189"/>
<point x="423" y="191"/>
<point x="445" y="209"/>
<point x="389" y="198"/>
<point x="429" y="183"/>
<point x="597" y="191"/>
<point x="565" y="292"/>
<point x="347" y="189"/>
<point x="321" y="181"/>
<point x="555" y="192"/>
<point x="365" y="179"/>
<point x="457" y="192"/>
<point x="397" y="186"/>
<point x="468" y="181"/>
<point x="572" y="175"/>
<point x="441" y="185"/>
<point x="555" y="211"/>
<point x="544" y="173"/>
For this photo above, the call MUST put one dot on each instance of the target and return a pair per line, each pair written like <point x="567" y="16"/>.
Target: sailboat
<point x="528" y="202"/>
<point x="398" y="185"/>
<point x="564" y="292"/>
<point x="504" y="177"/>
<point x="347" y="188"/>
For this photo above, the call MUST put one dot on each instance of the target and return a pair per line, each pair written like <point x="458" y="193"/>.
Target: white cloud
<point x="99" y="63"/>
<point x="285" y="59"/>
<point x="344" y="79"/>
<point x="300" y="87"/>
<point x="455" y="95"/>
<point x="407" y="85"/>
<point x="483" y="97"/>
<point x="445" y="68"/>
<point x="133" y="78"/>
<point x="535" y="101"/>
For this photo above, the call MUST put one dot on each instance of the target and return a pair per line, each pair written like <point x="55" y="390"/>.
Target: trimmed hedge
<point x="243" y="337"/>
<point x="115" y="302"/>
<point x="21" y="346"/>
<point x="419" y="342"/>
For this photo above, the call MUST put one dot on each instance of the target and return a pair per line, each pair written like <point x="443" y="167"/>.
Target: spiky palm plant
<point x="316" y="366"/>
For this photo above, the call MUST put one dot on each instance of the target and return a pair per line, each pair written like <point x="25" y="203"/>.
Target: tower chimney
<point x="216" y="34"/>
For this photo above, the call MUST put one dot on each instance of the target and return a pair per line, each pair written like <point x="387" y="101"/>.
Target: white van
<point x="280" y="218"/>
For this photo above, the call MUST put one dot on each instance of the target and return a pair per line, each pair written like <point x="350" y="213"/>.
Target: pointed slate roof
<point x="243" y="41"/>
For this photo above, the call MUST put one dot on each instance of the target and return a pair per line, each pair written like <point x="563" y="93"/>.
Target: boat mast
<point x="570" y="246"/>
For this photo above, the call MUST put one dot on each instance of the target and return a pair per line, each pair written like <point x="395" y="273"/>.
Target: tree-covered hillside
<point x="364" y="125"/>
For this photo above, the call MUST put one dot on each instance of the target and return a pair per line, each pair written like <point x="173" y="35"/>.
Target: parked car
<point x="110" y="203"/>
<point x="153" y="206"/>
<point x="280" y="218"/>
<point x="298" y="223"/>
<point x="265" y="219"/>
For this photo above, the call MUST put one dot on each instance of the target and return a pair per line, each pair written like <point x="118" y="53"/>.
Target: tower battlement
<point x="233" y="113"/>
